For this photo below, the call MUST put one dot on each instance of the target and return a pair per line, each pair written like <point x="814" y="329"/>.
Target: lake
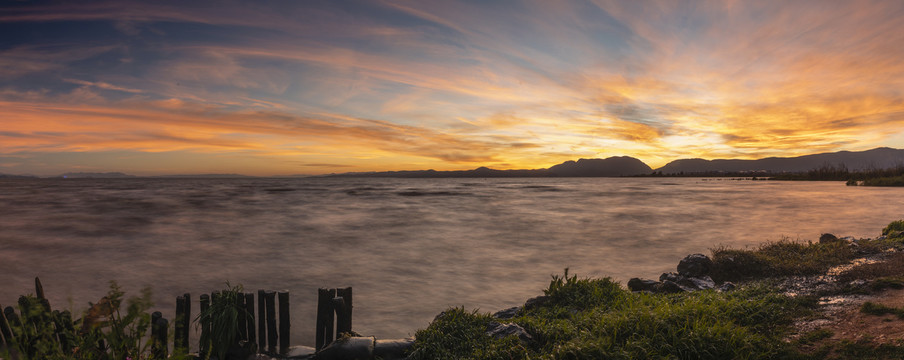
<point x="410" y="248"/>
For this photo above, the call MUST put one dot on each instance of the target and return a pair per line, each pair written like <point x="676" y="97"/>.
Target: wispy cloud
<point x="449" y="84"/>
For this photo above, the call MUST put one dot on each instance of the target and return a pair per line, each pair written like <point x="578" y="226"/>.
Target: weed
<point x="872" y="308"/>
<point x="223" y="317"/>
<point x="895" y="227"/>
<point x="779" y="258"/>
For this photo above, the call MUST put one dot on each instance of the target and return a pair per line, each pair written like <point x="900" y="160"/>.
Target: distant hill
<point x="861" y="160"/>
<point x="203" y="176"/>
<point x="10" y="176"/>
<point x="610" y="167"/>
<point x="613" y="166"/>
<point x="93" y="175"/>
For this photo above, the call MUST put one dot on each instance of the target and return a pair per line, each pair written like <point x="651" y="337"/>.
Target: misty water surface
<point x="409" y="247"/>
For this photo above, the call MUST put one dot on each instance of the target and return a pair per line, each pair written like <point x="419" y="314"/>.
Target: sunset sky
<point x="311" y="87"/>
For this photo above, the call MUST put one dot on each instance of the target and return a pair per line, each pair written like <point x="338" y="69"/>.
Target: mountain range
<point x="879" y="158"/>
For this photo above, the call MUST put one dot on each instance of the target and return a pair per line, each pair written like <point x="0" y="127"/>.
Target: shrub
<point x="779" y="258"/>
<point x="894" y="227"/>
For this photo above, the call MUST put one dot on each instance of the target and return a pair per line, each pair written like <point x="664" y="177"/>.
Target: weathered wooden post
<point x="249" y="310"/>
<point x="180" y="332"/>
<point x="261" y="320"/>
<point x="203" y="346"/>
<point x="270" y="297"/>
<point x="5" y="329"/>
<point x="39" y="289"/>
<point x="66" y="330"/>
<point x="158" y="336"/>
<point x="186" y="320"/>
<point x="284" y="324"/>
<point x="344" y="311"/>
<point x="239" y="302"/>
<point x="323" y="334"/>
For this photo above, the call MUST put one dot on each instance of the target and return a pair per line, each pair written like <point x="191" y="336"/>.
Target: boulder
<point x="727" y="286"/>
<point x="670" y="277"/>
<point x="638" y="284"/>
<point x="392" y="349"/>
<point x="499" y="330"/>
<point x="695" y="265"/>
<point x="300" y="352"/>
<point x="697" y="283"/>
<point x="536" y="302"/>
<point x="350" y="348"/>
<point x="669" y="287"/>
<point x="507" y="313"/>
<point x="828" y="238"/>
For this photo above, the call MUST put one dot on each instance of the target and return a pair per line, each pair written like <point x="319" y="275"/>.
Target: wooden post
<point x="270" y="297"/>
<point x="242" y="319"/>
<point x="249" y="312"/>
<point x="5" y="329"/>
<point x="159" y="330"/>
<point x="186" y="320"/>
<point x="65" y="320"/>
<point x="205" y="326"/>
<point x="284" y="324"/>
<point x="341" y="316"/>
<point x="39" y="289"/>
<point x="324" y="327"/>
<point x="179" y="330"/>
<point x="261" y="321"/>
<point x="344" y="321"/>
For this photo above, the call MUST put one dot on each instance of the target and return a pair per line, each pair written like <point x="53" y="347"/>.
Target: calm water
<point x="409" y="247"/>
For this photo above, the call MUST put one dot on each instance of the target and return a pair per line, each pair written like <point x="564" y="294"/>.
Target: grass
<point x="597" y="319"/>
<point x="779" y="258"/>
<point x="884" y="181"/>
<point x="879" y="309"/>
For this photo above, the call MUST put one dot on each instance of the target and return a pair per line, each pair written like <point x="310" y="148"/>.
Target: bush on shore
<point x="597" y="319"/>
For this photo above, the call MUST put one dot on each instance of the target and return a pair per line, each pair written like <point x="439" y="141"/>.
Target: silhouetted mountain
<point x="879" y="158"/>
<point x="204" y="176"/>
<point x="92" y="175"/>
<point x="10" y="176"/>
<point x="610" y="167"/>
<point x="613" y="166"/>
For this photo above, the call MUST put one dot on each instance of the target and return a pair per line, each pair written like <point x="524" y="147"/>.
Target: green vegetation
<point x="223" y="317"/>
<point x="894" y="230"/>
<point x="879" y="309"/>
<point x="779" y="258"/>
<point x="868" y="177"/>
<point x="597" y="319"/>
<point x="103" y="332"/>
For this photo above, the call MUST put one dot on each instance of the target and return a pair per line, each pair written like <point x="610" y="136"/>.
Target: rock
<point x="828" y="238"/>
<point x="727" y="286"/>
<point x="638" y="284"/>
<point x="695" y="265"/>
<point x="697" y="283"/>
<point x="849" y="239"/>
<point x="500" y="331"/>
<point x="300" y="352"/>
<point x="350" y="348"/>
<point x="670" y="277"/>
<point x="392" y="349"/>
<point x="669" y="287"/>
<point x="507" y="313"/>
<point x="859" y="283"/>
<point x="536" y="302"/>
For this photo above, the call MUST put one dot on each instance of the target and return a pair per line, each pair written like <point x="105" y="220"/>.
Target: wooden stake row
<point x="334" y="315"/>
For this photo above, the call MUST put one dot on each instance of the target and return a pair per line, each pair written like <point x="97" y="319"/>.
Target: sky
<point x="315" y="87"/>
